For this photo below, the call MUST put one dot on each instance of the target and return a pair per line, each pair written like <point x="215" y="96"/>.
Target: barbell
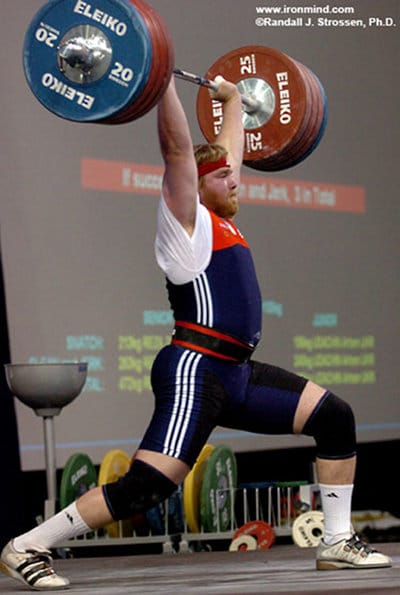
<point x="110" y="61"/>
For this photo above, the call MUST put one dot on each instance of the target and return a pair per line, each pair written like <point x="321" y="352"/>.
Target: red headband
<point x="209" y="166"/>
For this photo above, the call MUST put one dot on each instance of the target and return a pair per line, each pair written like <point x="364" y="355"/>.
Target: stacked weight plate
<point x="253" y="535"/>
<point x="161" y="67"/>
<point x="114" y="465"/>
<point x="209" y="490"/>
<point x="108" y="61"/>
<point x="292" y="113"/>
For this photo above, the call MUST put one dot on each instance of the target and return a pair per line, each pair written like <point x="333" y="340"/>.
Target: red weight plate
<point x="320" y="123"/>
<point x="298" y="140"/>
<point x="321" y="130"/>
<point x="279" y="160"/>
<point x="260" y="530"/>
<point x="300" y="145"/>
<point x="314" y="123"/>
<point x="163" y="55"/>
<point x="129" y="113"/>
<point x="162" y="62"/>
<point x="310" y="135"/>
<point x="286" y="81"/>
<point x="161" y="68"/>
<point x="313" y="136"/>
<point x="309" y="131"/>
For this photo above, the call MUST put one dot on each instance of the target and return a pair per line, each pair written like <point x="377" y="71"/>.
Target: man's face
<point x="219" y="192"/>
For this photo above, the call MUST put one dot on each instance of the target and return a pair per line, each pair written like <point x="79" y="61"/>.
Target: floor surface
<point x="284" y="569"/>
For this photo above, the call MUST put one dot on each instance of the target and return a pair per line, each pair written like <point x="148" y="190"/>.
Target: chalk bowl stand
<point x="47" y="388"/>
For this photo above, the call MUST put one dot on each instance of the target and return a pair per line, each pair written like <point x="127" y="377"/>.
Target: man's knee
<point x="139" y="490"/>
<point x="332" y="424"/>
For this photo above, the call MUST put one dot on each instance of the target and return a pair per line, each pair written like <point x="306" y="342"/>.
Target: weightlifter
<point x="206" y="376"/>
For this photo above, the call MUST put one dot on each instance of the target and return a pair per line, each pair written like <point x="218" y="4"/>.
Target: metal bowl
<point x="46" y="386"/>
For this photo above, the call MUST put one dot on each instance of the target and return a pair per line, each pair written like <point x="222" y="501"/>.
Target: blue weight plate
<point x="175" y="513"/>
<point x="156" y="519"/>
<point x="114" y="47"/>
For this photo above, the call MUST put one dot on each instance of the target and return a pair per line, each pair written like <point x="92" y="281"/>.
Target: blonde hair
<point x="209" y="152"/>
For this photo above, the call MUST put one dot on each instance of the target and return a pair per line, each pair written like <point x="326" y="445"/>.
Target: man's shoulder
<point x="226" y="233"/>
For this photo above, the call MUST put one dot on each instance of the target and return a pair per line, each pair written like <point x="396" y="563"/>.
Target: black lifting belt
<point x="211" y="342"/>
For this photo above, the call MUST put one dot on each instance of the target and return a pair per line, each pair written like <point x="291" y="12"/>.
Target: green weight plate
<point x="79" y="476"/>
<point x="291" y="484"/>
<point x="218" y="490"/>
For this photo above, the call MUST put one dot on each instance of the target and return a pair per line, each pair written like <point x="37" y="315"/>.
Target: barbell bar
<point x="252" y="105"/>
<point x="109" y="62"/>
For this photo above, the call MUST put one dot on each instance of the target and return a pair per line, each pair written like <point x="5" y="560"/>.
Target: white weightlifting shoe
<point x="33" y="568"/>
<point x="350" y="553"/>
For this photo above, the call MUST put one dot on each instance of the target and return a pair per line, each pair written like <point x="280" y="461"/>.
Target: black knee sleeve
<point x="139" y="490"/>
<point x="332" y="425"/>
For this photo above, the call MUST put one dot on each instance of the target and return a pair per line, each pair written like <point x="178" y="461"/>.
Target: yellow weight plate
<point x="113" y="466"/>
<point x="192" y="488"/>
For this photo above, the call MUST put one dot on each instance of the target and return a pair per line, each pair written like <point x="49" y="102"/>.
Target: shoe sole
<point x="14" y="574"/>
<point x="335" y="565"/>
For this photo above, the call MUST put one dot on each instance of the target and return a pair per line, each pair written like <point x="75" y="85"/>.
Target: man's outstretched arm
<point x="180" y="178"/>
